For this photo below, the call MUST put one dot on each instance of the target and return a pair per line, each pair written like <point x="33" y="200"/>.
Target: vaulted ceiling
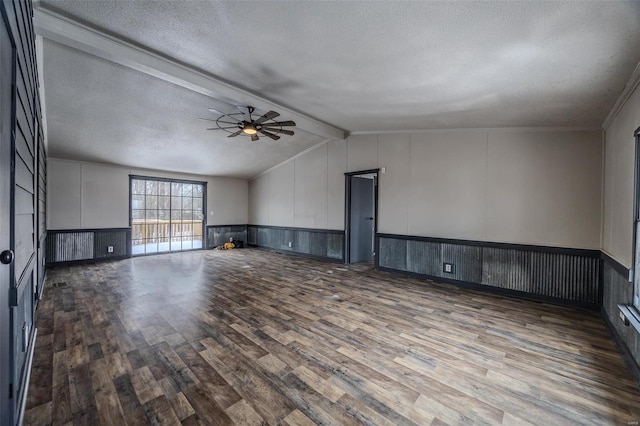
<point x="125" y="82"/>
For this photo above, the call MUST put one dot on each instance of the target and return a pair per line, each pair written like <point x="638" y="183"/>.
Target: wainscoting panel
<point x="507" y="268"/>
<point x="467" y="261"/>
<point x="392" y="254"/>
<point x="564" y="275"/>
<point x="265" y="238"/>
<point x="252" y="235"/>
<point x="302" y="242"/>
<point x="556" y="275"/>
<point x="317" y="243"/>
<point x="217" y="235"/>
<point x="335" y="246"/>
<point x="617" y="290"/>
<point x="119" y="240"/>
<point x="85" y="245"/>
<point x="424" y="257"/>
<point x="69" y="246"/>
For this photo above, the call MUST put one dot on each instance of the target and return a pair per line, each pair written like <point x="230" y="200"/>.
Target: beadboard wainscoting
<point x="81" y="245"/>
<point x="559" y="275"/>
<point x="324" y="244"/>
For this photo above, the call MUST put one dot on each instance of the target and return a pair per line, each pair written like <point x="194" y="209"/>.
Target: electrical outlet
<point x="290" y="244"/>
<point x="109" y="249"/>
<point x="447" y="268"/>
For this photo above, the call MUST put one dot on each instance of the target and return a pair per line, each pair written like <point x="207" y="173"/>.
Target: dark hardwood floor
<point x="254" y="337"/>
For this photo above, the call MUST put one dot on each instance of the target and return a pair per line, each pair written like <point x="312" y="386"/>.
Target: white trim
<point x="68" y="32"/>
<point x="160" y="173"/>
<point x="602" y="185"/>
<point x="43" y="103"/>
<point x="82" y="165"/>
<point x="288" y="159"/>
<point x="476" y="129"/>
<point x="628" y="90"/>
<point x="617" y="259"/>
<point x="22" y="403"/>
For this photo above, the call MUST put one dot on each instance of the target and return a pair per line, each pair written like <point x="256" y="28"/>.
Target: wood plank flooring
<point x="251" y="337"/>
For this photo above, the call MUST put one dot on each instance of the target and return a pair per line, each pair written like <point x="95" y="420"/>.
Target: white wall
<point x="447" y="185"/>
<point x="281" y="195"/>
<point x="84" y="195"/>
<point x="545" y="188"/>
<point x="306" y="191"/>
<point x="524" y="186"/>
<point x="64" y="189"/>
<point x="259" y="199"/>
<point x="619" y="161"/>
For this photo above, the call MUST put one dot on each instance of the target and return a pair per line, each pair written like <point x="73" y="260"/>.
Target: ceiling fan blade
<point x="223" y="128"/>
<point x="268" y="116"/>
<point x="233" y="135"/>
<point x="222" y="121"/>
<point x="216" y="111"/>
<point x="255" y="138"/>
<point x="277" y="130"/>
<point x="280" y="123"/>
<point x="270" y="135"/>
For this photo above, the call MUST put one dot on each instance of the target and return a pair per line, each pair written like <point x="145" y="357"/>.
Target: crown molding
<point x="628" y="90"/>
<point x="477" y="129"/>
<point x="63" y="30"/>
<point x="43" y="103"/>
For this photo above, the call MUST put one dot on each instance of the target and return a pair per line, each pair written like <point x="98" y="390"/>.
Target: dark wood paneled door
<point x="6" y="272"/>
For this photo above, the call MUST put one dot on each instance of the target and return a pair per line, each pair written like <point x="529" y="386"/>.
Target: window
<point x="166" y="215"/>
<point x="636" y="273"/>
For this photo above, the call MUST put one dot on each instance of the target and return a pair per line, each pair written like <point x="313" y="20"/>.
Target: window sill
<point x="630" y="316"/>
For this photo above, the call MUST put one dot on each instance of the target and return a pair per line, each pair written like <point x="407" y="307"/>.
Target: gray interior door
<point x="362" y="220"/>
<point x="6" y="85"/>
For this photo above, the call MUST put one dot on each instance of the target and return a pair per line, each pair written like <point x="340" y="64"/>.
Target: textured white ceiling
<point x="103" y="112"/>
<point x="359" y="66"/>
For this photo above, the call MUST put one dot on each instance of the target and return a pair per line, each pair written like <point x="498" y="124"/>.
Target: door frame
<point x="635" y="244"/>
<point x="172" y="180"/>
<point x="347" y="214"/>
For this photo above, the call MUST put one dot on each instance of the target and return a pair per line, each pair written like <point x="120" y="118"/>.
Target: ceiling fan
<point x="244" y="123"/>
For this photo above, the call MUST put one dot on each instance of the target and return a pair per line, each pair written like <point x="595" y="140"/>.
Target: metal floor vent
<point x="60" y="284"/>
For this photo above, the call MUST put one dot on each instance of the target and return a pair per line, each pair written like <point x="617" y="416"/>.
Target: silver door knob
<point x="6" y="257"/>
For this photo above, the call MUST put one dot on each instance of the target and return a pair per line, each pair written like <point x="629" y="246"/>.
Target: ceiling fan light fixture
<point x="246" y="125"/>
<point x="249" y="129"/>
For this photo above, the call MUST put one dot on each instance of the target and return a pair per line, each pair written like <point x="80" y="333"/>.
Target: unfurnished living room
<point x="311" y="212"/>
